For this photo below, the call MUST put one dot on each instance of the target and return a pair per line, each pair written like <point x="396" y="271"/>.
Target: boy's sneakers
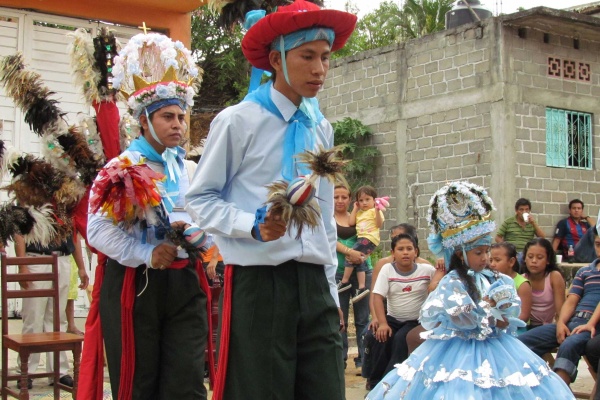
<point x="342" y="287"/>
<point x="361" y="294"/>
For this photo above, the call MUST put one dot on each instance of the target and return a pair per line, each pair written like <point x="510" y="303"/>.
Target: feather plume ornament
<point x="29" y="93"/>
<point x="127" y="192"/>
<point x="11" y="218"/>
<point x="232" y="12"/>
<point x="87" y="126"/>
<point x="106" y="48"/>
<point x="68" y="150"/>
<point x="325" y="163"/>
<point x="43" y="231"/>
<point x="33" y="179"/>
<point x="8" y="157"/>
<point x="87" y="163"/>
<point x="177" y="237"/>
<point x="35" y="182"/>
<point x="296" y="201"/>
<point x="86" y="76"/>
<point x="65" y="147"/>
<point x="129" y="129"/>
<point x="35" y="225"/>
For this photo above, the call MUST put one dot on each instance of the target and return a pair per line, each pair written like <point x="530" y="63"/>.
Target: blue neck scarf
<point x="300" y="134"/>
<point x="170" y="160"/>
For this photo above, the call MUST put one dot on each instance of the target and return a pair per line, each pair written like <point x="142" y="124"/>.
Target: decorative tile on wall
<point x="554" y="67"/>
<point x="569" y="69"/>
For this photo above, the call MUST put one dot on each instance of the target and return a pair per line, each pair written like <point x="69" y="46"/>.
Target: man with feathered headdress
<point x="153" y="300"/>
<point x="280" y="291"/>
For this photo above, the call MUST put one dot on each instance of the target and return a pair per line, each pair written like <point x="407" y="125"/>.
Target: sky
<point x="496" y="6"/>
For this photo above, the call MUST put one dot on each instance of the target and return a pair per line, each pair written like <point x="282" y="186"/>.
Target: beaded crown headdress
<point x="153" y="68"/>
<point x="459" y="213"/>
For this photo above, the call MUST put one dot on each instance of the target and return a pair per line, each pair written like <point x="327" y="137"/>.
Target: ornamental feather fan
<point x="126" y="192"/>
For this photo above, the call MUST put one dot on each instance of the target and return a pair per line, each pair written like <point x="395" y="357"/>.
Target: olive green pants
<point x="170" y="330"/>
<point x="285" y="342"/>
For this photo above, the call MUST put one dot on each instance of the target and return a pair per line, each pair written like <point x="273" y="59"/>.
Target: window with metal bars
<point x="568" y="139"/>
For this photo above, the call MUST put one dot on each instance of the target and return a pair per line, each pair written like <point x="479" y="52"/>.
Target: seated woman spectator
<point x="547" y="283"/>
<point x="503" y="258"/>
<point x="404" y="284"/>
<point x="346" y="238"/>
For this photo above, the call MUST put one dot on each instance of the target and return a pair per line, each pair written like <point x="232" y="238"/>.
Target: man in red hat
<point x="281" y="318"/>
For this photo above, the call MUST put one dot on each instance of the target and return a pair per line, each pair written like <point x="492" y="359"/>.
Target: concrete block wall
<point x="550" y="189"/>
<point x="366" y="87"/>
<point x="468" y="103"/>
<point x="448" y="114"/>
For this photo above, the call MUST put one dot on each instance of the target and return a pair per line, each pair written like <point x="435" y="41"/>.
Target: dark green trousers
<point x="285" y="342"/>
<point x="170" y="330"/>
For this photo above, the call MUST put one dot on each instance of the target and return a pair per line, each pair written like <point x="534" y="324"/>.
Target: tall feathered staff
<point x="92" y="61"/>
<point x="64" y="146"/>
<point x="36" y="186"/>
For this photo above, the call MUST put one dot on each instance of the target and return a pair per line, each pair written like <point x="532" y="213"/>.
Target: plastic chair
<point x="26" y="344"/>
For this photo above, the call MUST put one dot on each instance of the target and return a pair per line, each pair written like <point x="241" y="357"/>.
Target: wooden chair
<point x="26" y="344"/>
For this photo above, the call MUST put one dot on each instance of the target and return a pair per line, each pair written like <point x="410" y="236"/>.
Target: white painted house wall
<point x="45" y="52"/>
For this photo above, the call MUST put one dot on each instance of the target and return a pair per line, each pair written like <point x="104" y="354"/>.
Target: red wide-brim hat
<point x="301" y="14"/>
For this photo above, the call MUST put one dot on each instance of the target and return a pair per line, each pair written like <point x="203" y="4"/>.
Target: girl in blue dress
<point x="470" y="352"/>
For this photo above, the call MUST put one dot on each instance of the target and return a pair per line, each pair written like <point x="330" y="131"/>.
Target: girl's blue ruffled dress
<point x="464" y="357"/>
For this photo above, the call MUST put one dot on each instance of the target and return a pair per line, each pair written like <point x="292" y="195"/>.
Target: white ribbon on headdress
<point x="170" y="157"/>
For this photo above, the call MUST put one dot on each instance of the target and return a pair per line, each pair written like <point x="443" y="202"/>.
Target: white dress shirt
<point x="126" y="247"/>
<point x="243" y="153"/>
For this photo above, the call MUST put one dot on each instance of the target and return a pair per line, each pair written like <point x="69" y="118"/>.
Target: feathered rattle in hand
<point x="296" y="201"/>
<point x="128" y="193"/>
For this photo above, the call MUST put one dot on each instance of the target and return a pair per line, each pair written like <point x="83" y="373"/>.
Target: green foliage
<point x="389" y="24"/>
<point x="219" y="53"/>
<point x="377" y="255"/>
<point x="377" y="29"/>
<point x="354" y="135"/>
<point x="424" y="17"/>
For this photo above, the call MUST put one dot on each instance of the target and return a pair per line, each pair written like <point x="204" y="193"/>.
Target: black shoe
<point x="342" y="287"/>
<point x="361" y="294"/>
<point x="29" y="384"/>
<point x="66" y="380"/>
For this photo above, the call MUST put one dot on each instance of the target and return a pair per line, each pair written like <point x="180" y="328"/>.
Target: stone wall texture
<point x="469" y="103"/>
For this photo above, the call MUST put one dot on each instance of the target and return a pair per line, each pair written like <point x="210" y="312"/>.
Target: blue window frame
<point x="568" y="139"/>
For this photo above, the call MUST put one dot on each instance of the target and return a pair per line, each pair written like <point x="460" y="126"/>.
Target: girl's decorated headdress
<point x="459" y="218"/>
<point x="152" y="72"/>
